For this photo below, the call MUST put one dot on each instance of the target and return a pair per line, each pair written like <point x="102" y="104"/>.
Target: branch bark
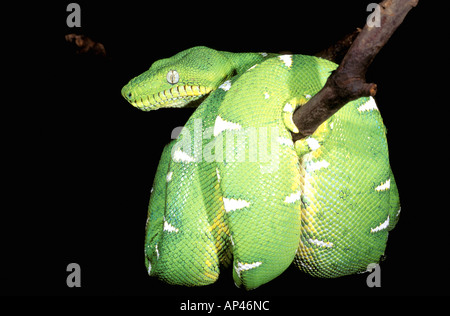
<point x="348" y="82"/>
<point x="85" y="45"/>
<point x="337" y="51"/>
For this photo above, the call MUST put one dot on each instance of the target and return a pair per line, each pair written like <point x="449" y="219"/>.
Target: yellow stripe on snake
<point x="235" y="189"/>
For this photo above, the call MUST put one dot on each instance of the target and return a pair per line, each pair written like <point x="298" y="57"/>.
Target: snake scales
<point x="234" y="189"/>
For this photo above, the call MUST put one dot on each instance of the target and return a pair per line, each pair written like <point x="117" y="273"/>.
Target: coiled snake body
<point x="235" y="189"/>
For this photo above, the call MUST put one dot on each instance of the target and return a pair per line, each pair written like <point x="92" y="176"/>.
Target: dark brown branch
<point x="85" y="45"/>
<point x="337" y="51"/>
<point x="348" y="82"/>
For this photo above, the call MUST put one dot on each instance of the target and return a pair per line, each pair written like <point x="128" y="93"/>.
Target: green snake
<point x="234" y="189"/>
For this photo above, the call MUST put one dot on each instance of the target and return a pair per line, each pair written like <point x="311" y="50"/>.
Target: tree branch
<point x="85" y="45"/>
<point x="348" y="82"/>
<point x="337" y="51"/>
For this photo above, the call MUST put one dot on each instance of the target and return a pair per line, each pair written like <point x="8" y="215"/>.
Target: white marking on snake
<point x="252" y="67"/>
<point x="221" y="125"/>
<point x="285" y="141"/>
<point x="169" y="176"/>
<point x="288" y="108"/>
<point x="157" y="251"/>
<point x="264" y="54"/>
<point x="169" y="228"/>
<point x="312" y="143"/>
<point x="226" y="85"/>
<point x="246" y="266"/>
<point x="181" y="156"/>
<point x="368" y="106"/>
<point x="384" y="186"/>
<point x="398" y="212"/>
<point x="149" y="267"/>
<point x="286" y="59"/>
<point x="218" y="175"/>
<point x="233" y="204"/>
<point x="266" y="95"/>
<point x="293" y="197"/>
<point x="320" y="243"/>
<point x="231" y="240"/>
<point x="383" y="225"/>
<point x="316" y="165"/>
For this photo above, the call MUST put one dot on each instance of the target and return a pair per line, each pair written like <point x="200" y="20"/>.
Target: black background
<point x="84" y="159"/>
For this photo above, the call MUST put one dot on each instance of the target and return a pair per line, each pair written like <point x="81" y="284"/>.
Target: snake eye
<point x="172" y="77"/>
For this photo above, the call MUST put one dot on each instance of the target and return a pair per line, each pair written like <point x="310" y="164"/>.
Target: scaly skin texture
<point x="235" y="189"/>
<point x="197" y="77"/>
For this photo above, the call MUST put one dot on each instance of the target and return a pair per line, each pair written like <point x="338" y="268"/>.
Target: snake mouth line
<point x="177" y="96"/>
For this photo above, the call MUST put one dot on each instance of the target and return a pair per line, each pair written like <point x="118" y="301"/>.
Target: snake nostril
<point x="129" y="95"/>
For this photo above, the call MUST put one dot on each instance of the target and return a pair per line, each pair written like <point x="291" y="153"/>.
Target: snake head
<point x="179" y="80"/>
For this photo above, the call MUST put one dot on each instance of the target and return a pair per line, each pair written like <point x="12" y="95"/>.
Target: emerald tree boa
<point x="234" y="189"/>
